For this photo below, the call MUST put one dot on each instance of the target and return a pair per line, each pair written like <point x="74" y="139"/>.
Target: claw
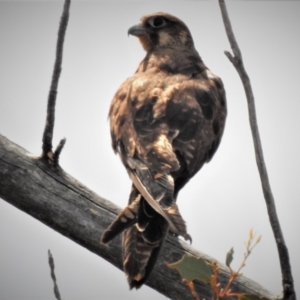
<point x="189" y="238"/>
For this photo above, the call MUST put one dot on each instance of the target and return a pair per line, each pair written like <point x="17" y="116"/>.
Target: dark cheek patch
<point x="153" y="38"/>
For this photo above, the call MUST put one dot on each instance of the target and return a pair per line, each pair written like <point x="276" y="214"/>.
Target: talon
<point x="188" y="237"/>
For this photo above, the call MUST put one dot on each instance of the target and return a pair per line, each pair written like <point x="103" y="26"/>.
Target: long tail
<point x="144" y="231"/>
<point x="145" y="221"/>
<point x="142" y="244"/>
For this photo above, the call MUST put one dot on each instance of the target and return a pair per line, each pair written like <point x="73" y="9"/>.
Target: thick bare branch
<point x="48" y="131"/>
<point x="64" y="204"/>
<point x="237" y="61"/>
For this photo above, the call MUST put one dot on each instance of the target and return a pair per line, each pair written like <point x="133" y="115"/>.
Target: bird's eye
<point x="157" y="22"/>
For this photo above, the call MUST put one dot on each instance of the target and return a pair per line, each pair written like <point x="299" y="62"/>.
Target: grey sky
<point x="220" y="204"/>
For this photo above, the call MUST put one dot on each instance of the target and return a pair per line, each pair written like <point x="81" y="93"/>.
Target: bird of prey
<point x="166" y="122"/>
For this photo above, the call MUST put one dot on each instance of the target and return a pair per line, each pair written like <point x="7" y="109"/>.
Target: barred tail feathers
<point x="144" y="231"/>
<point x="142" y="244"/>
<point x="151" y="212"/>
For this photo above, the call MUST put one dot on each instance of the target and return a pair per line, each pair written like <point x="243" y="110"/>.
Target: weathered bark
<point x="61" y="202"/>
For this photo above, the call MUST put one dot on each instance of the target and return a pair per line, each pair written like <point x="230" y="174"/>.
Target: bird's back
<point x="166" y="122"/>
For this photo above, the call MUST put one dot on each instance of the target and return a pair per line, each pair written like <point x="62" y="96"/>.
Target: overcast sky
<point x="220" y="204"/>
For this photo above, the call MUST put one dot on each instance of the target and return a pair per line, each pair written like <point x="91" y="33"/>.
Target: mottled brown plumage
<point x="166" y="122"/>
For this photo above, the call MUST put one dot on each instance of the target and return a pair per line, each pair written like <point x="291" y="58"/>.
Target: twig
<point x="57" y="151"/>
<point x="51" y="264"/>
<point x="48" y="131"/>
<point x="287" y="278"/>
<point x="191" y="286"/>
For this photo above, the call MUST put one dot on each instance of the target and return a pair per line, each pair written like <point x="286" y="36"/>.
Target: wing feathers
<point x="158" y="191"/>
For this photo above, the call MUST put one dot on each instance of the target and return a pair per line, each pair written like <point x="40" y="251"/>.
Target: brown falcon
<point x="166" y="121"/>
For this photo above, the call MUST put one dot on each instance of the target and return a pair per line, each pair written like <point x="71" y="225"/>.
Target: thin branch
<point x="48" y="131"/>
<point x="51" y="264"/>
<point x="61" y="202"/>
<point x="237" y="61"/>
<point x="57" y="152"/>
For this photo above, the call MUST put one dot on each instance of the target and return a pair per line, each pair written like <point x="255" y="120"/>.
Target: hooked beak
<point x="137" y="30"/>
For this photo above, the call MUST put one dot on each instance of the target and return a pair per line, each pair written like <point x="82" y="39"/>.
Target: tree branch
<point x="51" y="264"/>
<point x="48" y="131"/>
<point x="61" y="202"/>
<point x="237" y="61"/>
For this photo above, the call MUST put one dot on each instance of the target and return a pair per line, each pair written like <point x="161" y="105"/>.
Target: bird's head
<point x="161" y="30"/>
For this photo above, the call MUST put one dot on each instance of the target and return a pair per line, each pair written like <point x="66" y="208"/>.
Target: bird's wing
<point x="152" y="119"/>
